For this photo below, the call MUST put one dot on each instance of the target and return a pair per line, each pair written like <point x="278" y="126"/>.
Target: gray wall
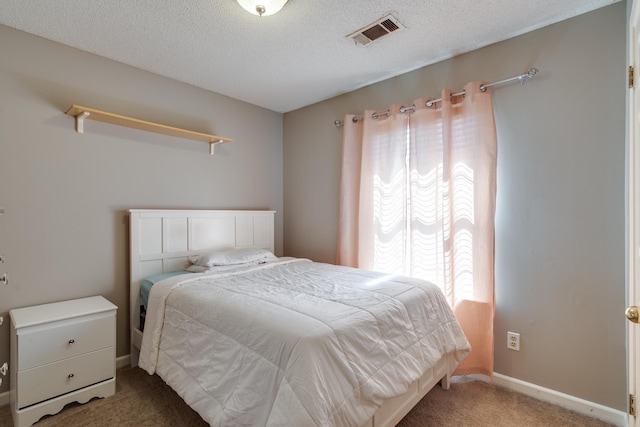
<point x="560" y="245"/>
<point x="66" y="195"/>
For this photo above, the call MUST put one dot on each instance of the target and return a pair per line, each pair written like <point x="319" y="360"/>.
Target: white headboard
<point x="162" y="240"/>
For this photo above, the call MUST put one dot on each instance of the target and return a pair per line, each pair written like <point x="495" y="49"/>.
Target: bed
<point x="286" y="341"/>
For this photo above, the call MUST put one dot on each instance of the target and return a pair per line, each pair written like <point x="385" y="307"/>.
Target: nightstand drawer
<point x="54" y="379"/>
<point x="47" y="343"/>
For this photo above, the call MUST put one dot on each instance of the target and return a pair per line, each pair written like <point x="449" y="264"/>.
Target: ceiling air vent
<point x="383" y="26"/>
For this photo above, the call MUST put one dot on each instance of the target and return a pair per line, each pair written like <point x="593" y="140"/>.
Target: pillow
<point x="232" y="256"/>
<point x="223" y="268"/>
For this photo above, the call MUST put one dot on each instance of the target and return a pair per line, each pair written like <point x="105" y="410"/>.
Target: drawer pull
<point x="70" y="376"/>
<point x="72" y="341"/>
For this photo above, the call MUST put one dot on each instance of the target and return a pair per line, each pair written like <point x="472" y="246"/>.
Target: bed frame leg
<point x="445" y="382"/>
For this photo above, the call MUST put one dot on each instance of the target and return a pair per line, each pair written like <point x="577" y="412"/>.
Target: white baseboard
<point x="123" y="361"/>
<point x="610" y="415"/>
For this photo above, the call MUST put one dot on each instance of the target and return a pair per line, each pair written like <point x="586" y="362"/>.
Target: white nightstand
<point x="60" y="353"/>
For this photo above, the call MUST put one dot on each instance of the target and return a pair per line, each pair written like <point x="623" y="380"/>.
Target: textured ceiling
<point x="285" y="61"/>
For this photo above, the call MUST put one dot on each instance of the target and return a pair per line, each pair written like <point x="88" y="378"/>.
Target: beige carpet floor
<point x="145" y="401"/>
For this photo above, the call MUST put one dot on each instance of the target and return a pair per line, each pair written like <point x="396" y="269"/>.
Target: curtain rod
<point x="521" y="77"/>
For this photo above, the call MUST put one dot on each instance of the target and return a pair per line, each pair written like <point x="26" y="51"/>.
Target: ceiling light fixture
<point x="262" y="7"/>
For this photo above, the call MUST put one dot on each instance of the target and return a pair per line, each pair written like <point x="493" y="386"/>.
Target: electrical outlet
<point x="513" y="341"/>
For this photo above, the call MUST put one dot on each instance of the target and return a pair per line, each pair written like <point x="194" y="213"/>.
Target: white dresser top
<point x="38" y="314"/>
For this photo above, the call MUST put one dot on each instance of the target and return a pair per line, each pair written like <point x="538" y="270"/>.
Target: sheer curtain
<point x="418" y="196"/>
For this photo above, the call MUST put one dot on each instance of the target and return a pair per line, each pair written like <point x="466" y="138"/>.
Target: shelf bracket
<point x="80" y="121"/>
<point x="212" y="144"/>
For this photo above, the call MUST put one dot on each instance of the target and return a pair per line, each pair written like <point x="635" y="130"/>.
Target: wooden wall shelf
<point x="81" y="113"/>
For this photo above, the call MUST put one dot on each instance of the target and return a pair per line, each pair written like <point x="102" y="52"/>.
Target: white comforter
<point x="295" y="343"/>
